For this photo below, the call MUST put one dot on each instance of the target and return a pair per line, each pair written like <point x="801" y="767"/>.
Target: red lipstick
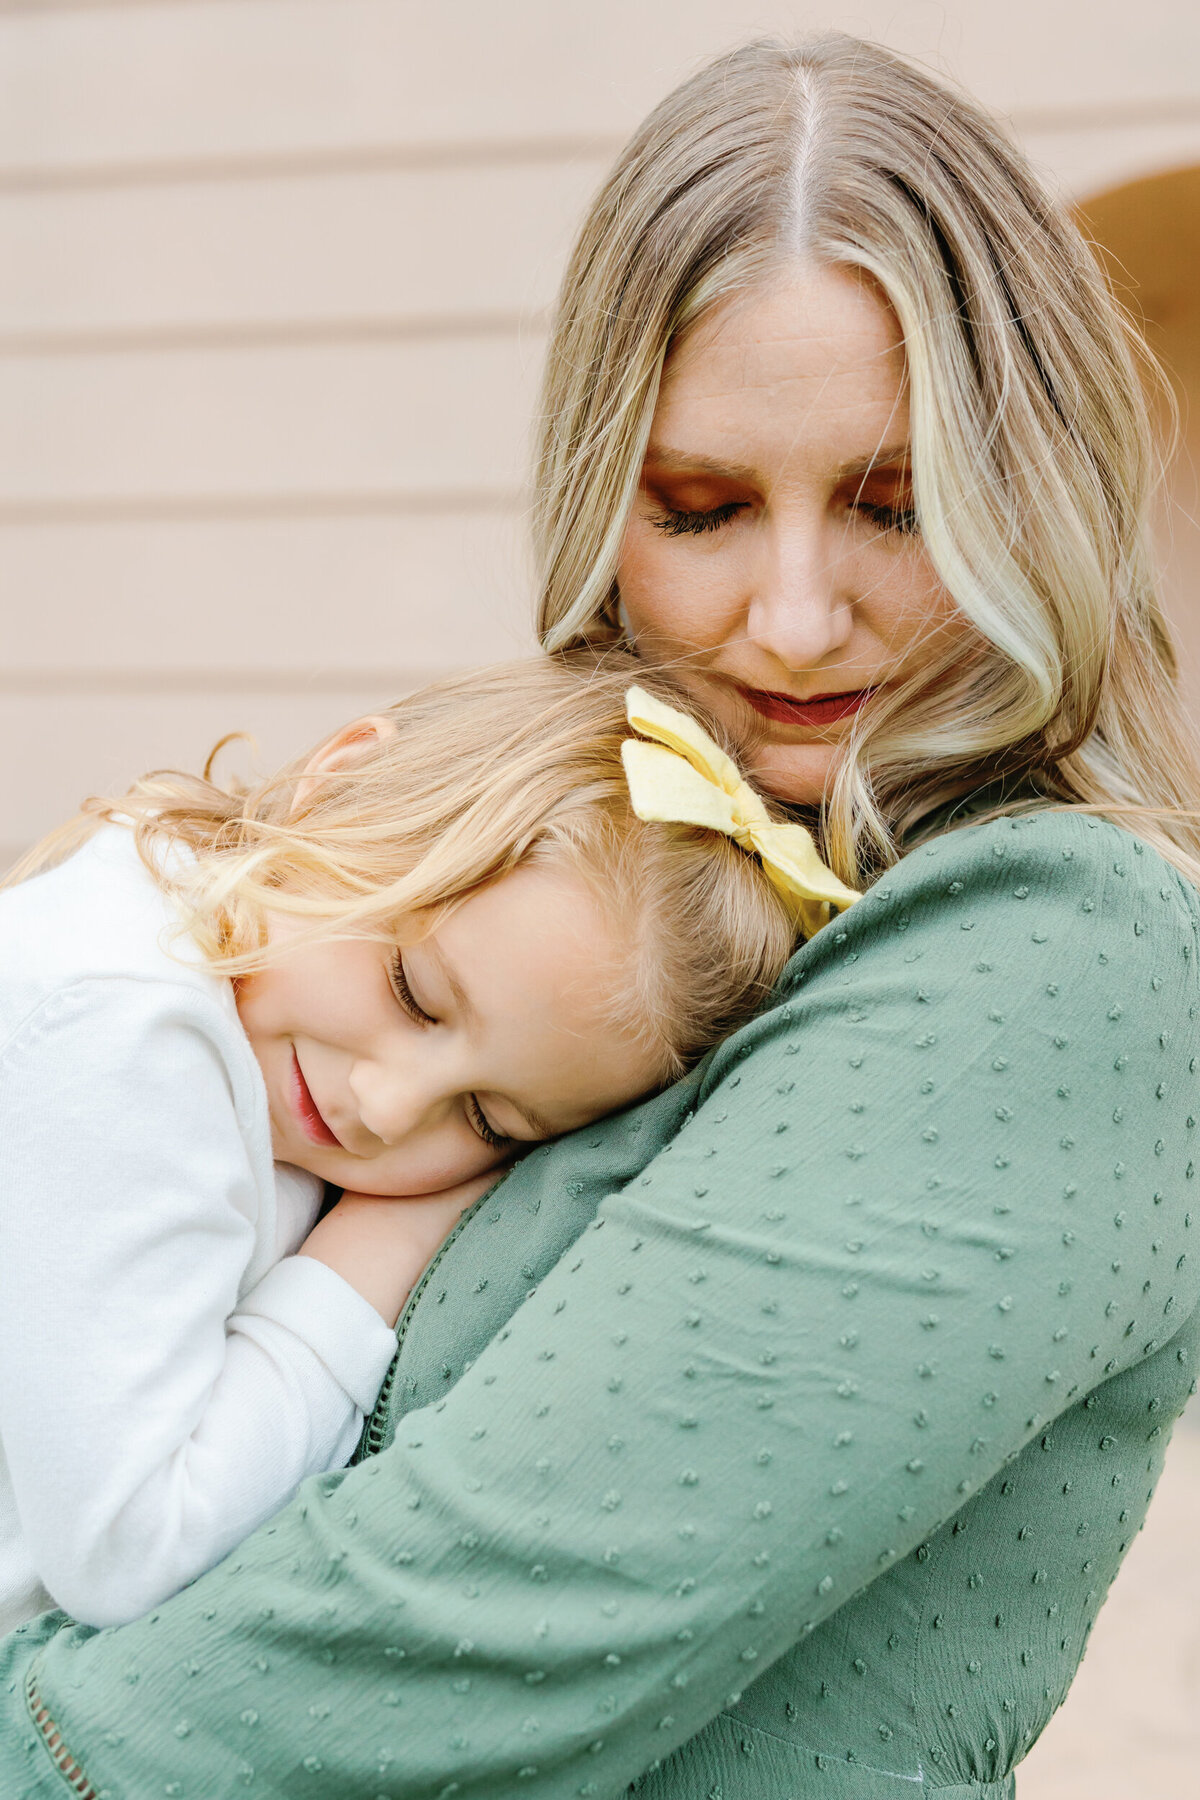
<point x="307" y="1110"/>
<point x="822" y="709"/>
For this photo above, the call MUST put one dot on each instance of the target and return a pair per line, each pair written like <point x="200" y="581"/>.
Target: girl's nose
<point x="395" y="1104"/>
<point x="800" y="610"/>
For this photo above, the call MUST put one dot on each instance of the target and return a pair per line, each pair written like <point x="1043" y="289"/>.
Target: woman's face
<point x="772" y="558"/>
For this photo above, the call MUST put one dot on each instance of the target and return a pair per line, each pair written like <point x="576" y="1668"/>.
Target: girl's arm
<point x="379" y="1247"/>
<point x="152" y="1412"/>
<point x="922" y="1207"/>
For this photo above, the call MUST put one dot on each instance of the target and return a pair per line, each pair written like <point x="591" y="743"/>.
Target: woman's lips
<point x="306" y="1109"/>
<point x="823" y="709"/>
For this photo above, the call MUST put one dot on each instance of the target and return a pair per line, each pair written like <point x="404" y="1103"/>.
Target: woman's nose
<point x="800" y="610"/>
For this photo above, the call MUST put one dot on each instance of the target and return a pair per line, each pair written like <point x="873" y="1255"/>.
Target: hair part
<point x="1033" y="451"/>
<point x="479" y="774"/>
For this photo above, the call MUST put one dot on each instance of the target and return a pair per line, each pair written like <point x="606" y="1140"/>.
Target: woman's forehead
<point x="839" y="314"/>
<point x="818" y="354"/>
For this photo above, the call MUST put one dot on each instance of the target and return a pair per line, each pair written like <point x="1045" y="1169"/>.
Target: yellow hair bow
<point x="684" y="778"/>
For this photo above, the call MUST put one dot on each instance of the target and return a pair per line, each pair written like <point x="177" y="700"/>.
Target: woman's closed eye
<point x="676" y="522"/>
<point x="404" y="994"/>
<point x="882" y="516"/>
<point x="883" y="500"/>
<point x="901" y="519"/>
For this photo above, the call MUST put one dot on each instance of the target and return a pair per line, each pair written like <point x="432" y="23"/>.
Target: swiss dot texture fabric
<point x="778" y="1438"/>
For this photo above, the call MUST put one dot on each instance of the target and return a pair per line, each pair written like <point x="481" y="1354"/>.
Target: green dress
<point x="778" y="1438"/>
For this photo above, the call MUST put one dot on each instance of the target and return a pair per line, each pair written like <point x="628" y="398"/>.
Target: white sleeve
<point x="150" y="1420"/>
<point x="298" y="1197"/>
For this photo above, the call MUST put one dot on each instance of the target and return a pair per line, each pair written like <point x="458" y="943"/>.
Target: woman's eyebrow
<point x="686" y="462"/>
<point x="662" y="456"/>
<point x="887" y="456"/>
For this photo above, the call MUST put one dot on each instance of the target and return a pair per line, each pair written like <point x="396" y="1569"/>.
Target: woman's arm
<point x="922" y="1208"/>
<point x="149" y="1417"/>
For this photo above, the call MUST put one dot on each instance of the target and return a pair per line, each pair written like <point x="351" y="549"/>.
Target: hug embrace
<point x="627" y="1221"/>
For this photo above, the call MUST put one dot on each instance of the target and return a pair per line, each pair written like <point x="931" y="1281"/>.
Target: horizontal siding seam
<point x="456" y="153"/>
<point x="269" y="334"/>
<point x="351" y="504"/>
<point x="153" y="681"/>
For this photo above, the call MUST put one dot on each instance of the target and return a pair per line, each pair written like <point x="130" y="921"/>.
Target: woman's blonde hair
<point x="476" y="775"/>
<point x="1032" y="449"/>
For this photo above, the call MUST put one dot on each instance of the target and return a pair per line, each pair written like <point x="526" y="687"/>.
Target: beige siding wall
<point x="274" y="277"/>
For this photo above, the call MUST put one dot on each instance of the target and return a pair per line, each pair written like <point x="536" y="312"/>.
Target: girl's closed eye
<point x="476" y="1117"/>
<point x="403" y="992"/>
<point x="480" y="1125"/>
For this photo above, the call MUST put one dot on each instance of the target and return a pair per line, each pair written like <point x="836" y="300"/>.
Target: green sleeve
<point x="922" y="1206"/>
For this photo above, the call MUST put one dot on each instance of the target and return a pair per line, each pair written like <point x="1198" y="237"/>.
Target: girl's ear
<point x="353" y="743"/>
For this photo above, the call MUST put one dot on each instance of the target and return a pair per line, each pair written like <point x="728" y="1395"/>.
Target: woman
<point x="782" y="1436"/>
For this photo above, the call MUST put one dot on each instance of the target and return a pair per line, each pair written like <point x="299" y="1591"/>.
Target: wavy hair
<point x="476" y="775"/>
<point x="1034" y="460"/>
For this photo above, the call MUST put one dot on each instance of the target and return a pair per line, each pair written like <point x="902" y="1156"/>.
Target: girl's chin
<point x="407" y="1186"/>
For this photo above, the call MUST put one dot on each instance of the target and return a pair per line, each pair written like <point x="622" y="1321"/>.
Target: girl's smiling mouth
<point x="307" y="1110"/>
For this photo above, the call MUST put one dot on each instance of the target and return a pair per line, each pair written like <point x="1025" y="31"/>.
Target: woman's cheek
<point x="907" y="606"/>
<point x="637" y="573"/>
<point x="672" y="594"/>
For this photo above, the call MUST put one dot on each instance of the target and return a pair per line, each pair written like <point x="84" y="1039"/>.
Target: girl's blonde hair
<point x="1032" y="448"/>
<point x="477" y="775"/>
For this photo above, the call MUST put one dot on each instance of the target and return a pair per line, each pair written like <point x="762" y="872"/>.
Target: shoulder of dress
<point x="1012" y="882"/>
<point x="1057" y="853"/>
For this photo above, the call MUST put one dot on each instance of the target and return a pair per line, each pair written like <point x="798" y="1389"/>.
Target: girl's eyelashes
<point x="416" y="1012"/>
<point x="676" y="523"/>
<point x="481" y="1126"/>
<point x="404" y="994"/>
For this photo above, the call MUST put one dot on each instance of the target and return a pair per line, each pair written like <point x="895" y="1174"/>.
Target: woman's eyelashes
<point x="404" y="994"/>
<point x="880" y="515"/>
<point x="900" y="519"/>
<point x="680" y="523"/>
<point x="883" y="499"/>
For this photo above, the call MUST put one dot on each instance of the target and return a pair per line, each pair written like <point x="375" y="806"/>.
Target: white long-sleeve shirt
<point x="169" y="1370"/>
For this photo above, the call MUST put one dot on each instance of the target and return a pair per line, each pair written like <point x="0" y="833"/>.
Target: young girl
<point x="483" y="918"/>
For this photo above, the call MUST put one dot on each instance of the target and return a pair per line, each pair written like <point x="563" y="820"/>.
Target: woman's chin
<point x="794" y="773"/>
